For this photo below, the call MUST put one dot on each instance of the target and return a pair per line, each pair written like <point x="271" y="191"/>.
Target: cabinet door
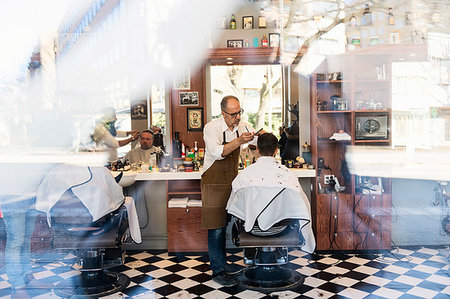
<point x="183" y="230"/>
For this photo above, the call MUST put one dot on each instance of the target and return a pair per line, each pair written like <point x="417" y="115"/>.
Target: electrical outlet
<point x="327" y="179"/>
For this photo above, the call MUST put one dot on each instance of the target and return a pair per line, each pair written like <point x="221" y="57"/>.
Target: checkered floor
<point x="401" y="273"/>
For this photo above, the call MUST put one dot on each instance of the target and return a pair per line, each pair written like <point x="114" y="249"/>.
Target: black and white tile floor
<point x="402" y="273"/>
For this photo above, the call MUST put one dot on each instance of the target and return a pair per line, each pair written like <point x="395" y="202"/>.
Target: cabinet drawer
<point x="341" y="203"/>
<point x="183" y="230"/>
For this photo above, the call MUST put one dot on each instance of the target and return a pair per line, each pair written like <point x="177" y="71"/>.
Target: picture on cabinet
<point x="195" y="119"/>
<point x="189" y="98"/>
<point x="274" y="39"/>
<point x="247" y="22"/>
<point x="182" y="81"/>
<point x="235" y="43"/>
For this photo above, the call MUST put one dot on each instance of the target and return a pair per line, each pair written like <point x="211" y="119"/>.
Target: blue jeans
<point x="20" y="217"/>
<point x="216" y="249"/>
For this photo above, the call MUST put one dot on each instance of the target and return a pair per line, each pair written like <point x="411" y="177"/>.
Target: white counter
<point x="129" y="177"/>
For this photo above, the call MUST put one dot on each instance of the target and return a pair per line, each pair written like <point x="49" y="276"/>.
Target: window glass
<point x="258" y="88"/>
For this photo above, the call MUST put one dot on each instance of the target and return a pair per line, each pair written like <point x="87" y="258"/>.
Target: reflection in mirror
<point x="259" y="89"/>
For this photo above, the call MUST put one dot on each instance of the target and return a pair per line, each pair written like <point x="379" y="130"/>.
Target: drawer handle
<point x="187" y="210"/>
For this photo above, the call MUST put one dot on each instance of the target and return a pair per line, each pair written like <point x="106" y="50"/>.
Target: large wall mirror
<point x="259" y="89"/>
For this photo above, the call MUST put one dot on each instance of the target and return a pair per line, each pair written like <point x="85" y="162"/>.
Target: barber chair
<point x="266" y="273"/>
<point x="96" y="244"/>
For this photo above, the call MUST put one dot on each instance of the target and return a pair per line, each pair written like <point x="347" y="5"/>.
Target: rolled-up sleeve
<point x="213" y="143"/>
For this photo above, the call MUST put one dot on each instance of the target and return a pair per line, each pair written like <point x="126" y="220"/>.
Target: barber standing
<point x="223" y="139"/>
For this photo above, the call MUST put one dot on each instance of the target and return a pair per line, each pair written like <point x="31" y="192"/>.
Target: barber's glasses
<point x="234" y="115"/>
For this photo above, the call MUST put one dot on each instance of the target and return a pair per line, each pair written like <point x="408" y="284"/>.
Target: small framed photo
<point x="235" y="43"/>
<point x="195" y="119"/>
<point x="247" y="22"/>
<point x="139" y="110"/>
<point x="394" y="37"/>
<point x="182" y="81"/>
<point x="189" y="98"/>
<point x="274" y="39"/>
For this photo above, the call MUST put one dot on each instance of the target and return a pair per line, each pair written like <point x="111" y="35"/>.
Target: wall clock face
<point x="371" y="126"/>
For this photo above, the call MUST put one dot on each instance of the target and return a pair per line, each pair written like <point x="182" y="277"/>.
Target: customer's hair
<point x="224" y="102"/>
<point x="148" y="131"/>
<point x="267" y="144"/>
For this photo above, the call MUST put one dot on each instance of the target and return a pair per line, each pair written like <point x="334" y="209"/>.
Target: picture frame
<point x="394" y="37"/>
<point x="247" y="22"/>
<point x="195" y="119"/>
<point x="182" y="81"/>
<point x="189" y="98"/>
<point x="139" y="110"/>
<point x="235" y="43"/>
<point x="274" y="39"/>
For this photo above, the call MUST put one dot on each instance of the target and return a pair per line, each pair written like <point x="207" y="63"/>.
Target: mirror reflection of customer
<point x="289" y="138"/>
<point x="223" y="139"/>
<point x="145" y="150"/>
<point x="105" y="133"/>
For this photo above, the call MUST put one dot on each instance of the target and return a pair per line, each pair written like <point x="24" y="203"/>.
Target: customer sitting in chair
<point x="257" y="187"/>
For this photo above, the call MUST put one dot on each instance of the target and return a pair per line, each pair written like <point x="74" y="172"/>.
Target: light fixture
<point x="229" y="58"/>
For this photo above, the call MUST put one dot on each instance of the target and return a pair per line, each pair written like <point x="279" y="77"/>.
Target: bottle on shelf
<point x="177" y="146"/>
<point x="195" y="151"/>
<point x="233" y="22"/>
<point x="183" y="149"/>
<point x="353" y="21"/>
<point x="264" y="41"/>
<point x="255" y="42"/>
<point x="247" y="44"/>
<point x="262" y="22"/>
<point x="391" y="21"/>
<point x="247" y="161"/>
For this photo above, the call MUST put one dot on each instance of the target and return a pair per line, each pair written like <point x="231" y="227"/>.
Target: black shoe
<point x="225" y="280"/>
<point x="233" y="269"/>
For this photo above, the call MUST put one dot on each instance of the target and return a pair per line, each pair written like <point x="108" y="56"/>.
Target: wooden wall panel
<point x="179" y="113"/>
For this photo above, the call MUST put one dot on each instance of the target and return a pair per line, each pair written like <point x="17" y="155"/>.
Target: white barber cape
<point x="255" y="192"/>
<point x="95" y="187"/>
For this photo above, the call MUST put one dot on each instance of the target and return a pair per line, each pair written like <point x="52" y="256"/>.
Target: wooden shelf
<point x="373" y="111"/>
<point x="333" y="111"/>
<point x="333" y="141"/>
<point x="333" y="81"/>
<point x="181" y="193"/>
<point x="372" y="141"/>
<point x="256" y="55"/>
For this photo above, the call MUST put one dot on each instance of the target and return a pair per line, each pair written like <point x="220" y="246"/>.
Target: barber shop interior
<point x="225" y="149"/>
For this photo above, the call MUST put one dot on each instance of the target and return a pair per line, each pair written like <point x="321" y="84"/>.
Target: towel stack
<point x="184" y="202"/>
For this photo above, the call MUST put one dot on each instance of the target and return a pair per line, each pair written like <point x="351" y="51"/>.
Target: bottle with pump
<point x="233" y="22"/>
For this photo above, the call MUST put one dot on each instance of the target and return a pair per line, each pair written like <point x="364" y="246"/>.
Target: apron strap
<point x="225" y="139"/>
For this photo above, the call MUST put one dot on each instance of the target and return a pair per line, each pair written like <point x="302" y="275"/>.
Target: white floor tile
<point x="314" y="282"/>
<point x="428" y="251"/>
<point x="68" y="274"/>
<point x="163" y="264"/>
<point x="439" y="279"/>
<point x="141" y="255"/>
<point x="132" y="273"/>
<point x="336" y="270"/>
<point x="408" y="280"/>
<point x="421" y="292"/>
<point x="185" y="283"/>
<point x="388" y="293"/>
<point x="153" y="284"/>
<point x="353" y="293"/>
<point x="317" y="293"/>
<point x="191" y="263"/>
<point x="307" y="271"/>
<point x="181" y="295"/>
<point x="216" y="294"/>
<point x="357" y="260"/>
<point x="188" y="272"/>
<point x="378" y="281"/>
<point x="328" y="261"/>
<point x="344" y="281"/>
<point x="249" y="294"/>
<point x="366" y="270"/>
<point x="426" y="269"/>
<point x="136" y="264"/>
<point x="396" y="269"/>
<point x="159" y="273"/>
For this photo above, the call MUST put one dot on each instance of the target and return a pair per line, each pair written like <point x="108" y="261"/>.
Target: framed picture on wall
<point x="189" y="98"/>
<point x="235" y="43"/>
<point x="274" y="39"/>
<point x="182" y="81"/>
<point x="247" y="22"/>
<point x="139" y="110"/>
<point x="195" y="119"/>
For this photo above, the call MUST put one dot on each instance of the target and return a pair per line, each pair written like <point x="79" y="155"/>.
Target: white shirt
<point x="105" y="138"/>
<point x="138" y="154"/>
<point x="213" y="137"/>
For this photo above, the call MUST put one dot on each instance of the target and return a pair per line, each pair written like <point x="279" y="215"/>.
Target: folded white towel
<point x="341" y="136"/>
<point x="194" y="203"/>
<point x="133" y="221"/>
<point x="178" y="202"/>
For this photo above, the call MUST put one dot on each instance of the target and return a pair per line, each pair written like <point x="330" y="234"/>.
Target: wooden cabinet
<point x="351" y="219"/>
<point x="184" y="233"/>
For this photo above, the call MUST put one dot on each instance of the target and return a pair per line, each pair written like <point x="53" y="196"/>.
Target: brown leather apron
<point x="216" y="189"/>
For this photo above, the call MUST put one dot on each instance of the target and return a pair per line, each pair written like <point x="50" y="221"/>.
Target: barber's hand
<point x="132" y="132"/>
<point x="135" y="135"/>
<point x="246" y="137"/>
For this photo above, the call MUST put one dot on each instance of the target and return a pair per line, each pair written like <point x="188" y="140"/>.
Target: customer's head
<point x="231" y="111"/>
<point x="146" y="139"/>
<point x="267" y="144"/>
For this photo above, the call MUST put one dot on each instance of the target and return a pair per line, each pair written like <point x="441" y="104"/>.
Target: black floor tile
<point x="176" y="268"/>
<point x="167" y="290"/>
<point x="171" y="278"/>
<point x="432" y="286"/>
<point x="365" y="287"/>
<point x="347" y="265"/>
<point x="141" y="278"/>
<point x="199" y="289"/>
<point x="201" y="278"/>
<point x="417" y="274"/>
<point x="398" y="286"/>
<point x="331" y="287"/>
<point x="386" y="275"/>
<point x="356" y="275"/>
<point x="202" y="267"/>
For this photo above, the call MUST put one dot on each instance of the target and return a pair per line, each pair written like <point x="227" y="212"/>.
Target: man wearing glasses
<point x="223" y="139"/>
